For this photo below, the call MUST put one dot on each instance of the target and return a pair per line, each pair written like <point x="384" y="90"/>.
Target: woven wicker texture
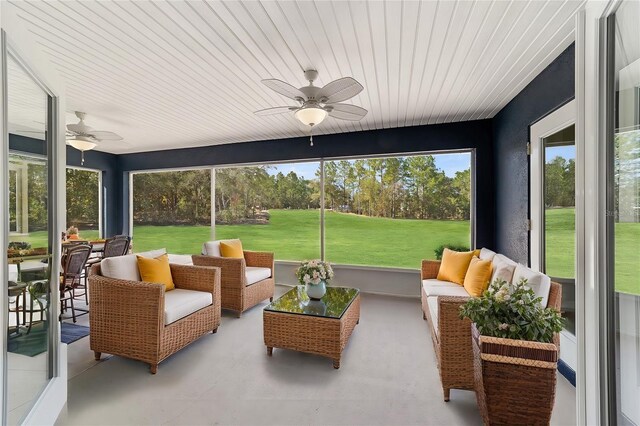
<point x="236" y="295"/>
<point x="316" y="335"/>
<point x="513" y="390"/>
<point x="452" y="344"/>
<point x="127" y="317"/>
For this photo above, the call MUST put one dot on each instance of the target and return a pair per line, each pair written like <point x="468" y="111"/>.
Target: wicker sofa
<point x="451" y="336"/>
<point x="139" y="320"/>
<point x="246" y="281"/>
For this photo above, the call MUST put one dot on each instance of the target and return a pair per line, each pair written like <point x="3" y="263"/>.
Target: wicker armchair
<point x="236" y="294"/>
<point x="451" y="336"/>
<point x="127" y="317"/>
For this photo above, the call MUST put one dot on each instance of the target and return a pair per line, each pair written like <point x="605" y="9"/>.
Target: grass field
<point x="359" y="240"/>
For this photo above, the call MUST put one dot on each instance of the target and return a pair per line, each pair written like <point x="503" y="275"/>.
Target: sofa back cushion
<point x="211" y="248"/>
<point x="454" y="265"/>
<point x="476" y="281"/>
<point x="126" y="267"/>
<point x="486" y="254"/>
<point x="536" y="281"/>
<point x="503" y="268"/>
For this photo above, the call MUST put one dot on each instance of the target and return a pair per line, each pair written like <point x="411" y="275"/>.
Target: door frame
<point x="17" y="42"/>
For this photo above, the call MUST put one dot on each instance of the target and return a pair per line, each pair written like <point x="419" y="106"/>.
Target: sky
<point x="450" y="163"/>
<point x="568" y="152"/>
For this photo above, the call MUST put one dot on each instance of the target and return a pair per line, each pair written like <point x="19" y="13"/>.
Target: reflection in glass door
<point x="29" y="249"/>
<point x="624" y="212"/>
<point x="559" y="254"/>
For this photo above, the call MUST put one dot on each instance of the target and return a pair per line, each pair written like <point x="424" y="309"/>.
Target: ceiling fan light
<point x="82" y="144"/>
<point x="311" y="116"/>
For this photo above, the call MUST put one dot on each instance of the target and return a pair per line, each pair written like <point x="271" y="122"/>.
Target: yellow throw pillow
<point x="454" y="265"/>
<point x="156" y="271"/>
<point x="478" y="276"/>
<point x="476" y="252"/>
<point x="231" y="248"/>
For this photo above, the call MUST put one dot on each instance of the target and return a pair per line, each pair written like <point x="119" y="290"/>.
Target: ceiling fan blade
<point x="284" y="89"/>
<point x="346" y="111"/>
<point x="340" y="90"/>
<point x="276" y="110"/>
<point x="79" y="128"/>
<point x="102" y="135"/>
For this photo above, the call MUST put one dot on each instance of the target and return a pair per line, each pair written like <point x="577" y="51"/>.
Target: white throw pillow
<point x="211" y="248"/>
<point x="486" y="254"/>
<point x="126" y="267"/>
<point x="180" y="259"/>
<point x="503" y="268"/>
<point x="536" y="281"/>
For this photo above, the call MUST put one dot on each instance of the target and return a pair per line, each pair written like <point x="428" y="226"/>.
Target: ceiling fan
<point x="316" y="103"/>
<point x="84" y="138"/>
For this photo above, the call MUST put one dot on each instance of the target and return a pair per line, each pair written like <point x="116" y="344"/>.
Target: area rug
<point x="35" y="342"/>
<point x="72" y="332"/>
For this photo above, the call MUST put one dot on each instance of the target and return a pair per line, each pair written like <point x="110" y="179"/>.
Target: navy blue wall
<point x="463" y="135"/>
<point x="107" y="163"/>
<point x="551" y="89"/>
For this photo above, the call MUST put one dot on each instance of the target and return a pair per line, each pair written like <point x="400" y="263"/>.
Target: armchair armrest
<point x="429" y="269"/>
<point x="198" y="278"/>
<point x="449" y="321"/>
<point x="261" y="259"/>
<point x="125" y="313"/>
<point x="232" y="270"/>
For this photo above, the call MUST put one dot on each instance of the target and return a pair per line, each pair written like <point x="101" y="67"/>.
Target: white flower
<point x="315" y="281"/>
<point x="503" y="326"/>
<point x="506" y="297"/>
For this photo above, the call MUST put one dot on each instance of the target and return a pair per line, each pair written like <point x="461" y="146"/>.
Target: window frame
<point x="321" y="161"/>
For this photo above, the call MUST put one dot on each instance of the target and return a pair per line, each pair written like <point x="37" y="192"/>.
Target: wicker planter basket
<point x="515" y="380"/>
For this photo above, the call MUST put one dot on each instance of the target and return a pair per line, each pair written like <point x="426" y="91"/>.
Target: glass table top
<point x="333" y="305"/>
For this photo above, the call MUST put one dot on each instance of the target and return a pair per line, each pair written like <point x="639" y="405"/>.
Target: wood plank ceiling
<point x="168" y="74"/>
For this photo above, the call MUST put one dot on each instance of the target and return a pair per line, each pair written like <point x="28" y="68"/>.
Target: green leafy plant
<point x="440" y="249"/>
<point x="512" y="312"/>
<point x="314" y="271"/>
<point x="19" y="245"/>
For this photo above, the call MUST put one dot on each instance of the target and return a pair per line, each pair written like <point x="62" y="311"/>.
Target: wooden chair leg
<point x="73" y="310"/>
<point x="153" y="368"/>
<point x="271" y="299"/>
<point x="97" y="355"/>
<point x="446" y="394"/>
<point x="214" y="331"/>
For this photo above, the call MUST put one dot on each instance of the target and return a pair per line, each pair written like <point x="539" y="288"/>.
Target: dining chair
<point x="74" y="261"/>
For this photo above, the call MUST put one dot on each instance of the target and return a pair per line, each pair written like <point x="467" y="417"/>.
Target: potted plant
<point x="515" y="347"/>
<point x="315" y="274"/>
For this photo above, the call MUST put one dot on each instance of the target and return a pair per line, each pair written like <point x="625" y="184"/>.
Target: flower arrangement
<point x="512" y="312"/>
<point x="314" y="272"/>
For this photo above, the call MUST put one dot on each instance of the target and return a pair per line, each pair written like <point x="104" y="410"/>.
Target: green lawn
<point x="295" y="235"/>
<point x="560" y="242"/>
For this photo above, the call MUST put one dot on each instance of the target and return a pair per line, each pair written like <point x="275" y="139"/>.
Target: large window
<point x="395" y="211"/>
<point x="390" y="211"/>
<point x="272" y="208"/>
<point x="28" y="200"/>
<point x="172" y="210"/>
<point x="83" y="202"/>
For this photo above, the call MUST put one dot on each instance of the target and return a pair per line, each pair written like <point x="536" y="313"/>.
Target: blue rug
<point x="70" y="332"/>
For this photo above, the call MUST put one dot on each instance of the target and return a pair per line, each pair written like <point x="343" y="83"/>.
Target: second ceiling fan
<point x="316" y="103"/>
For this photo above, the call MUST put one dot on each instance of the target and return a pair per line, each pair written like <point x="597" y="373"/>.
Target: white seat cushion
<point x="255" y="274"/>
<point x="126" y="267"/>
<point x="486" y="254"/>
<point x="536" y="281"/>
<point x="432" y="303"/>
<point x="503" y="268"/>
<point x="179" y="303"/>
<point x="180" y="259"/>
<point x="433" y="287"/>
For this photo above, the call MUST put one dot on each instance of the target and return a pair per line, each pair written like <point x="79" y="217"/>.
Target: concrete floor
<point x="388" y="377"/>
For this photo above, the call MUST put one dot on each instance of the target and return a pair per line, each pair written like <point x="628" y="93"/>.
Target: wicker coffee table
<point x="320" y="327"/>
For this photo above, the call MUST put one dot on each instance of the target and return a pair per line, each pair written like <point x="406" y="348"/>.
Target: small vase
<point x="316" y="291"/>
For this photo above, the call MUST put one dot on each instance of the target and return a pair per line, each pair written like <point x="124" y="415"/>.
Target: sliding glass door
<point x="624" y="211"/>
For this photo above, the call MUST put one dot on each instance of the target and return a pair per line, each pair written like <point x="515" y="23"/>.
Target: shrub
<point x="440" y="249"/>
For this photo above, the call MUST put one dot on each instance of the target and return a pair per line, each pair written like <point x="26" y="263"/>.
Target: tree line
<point x="398" y="187"/>
<point x="559" y="179"/>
